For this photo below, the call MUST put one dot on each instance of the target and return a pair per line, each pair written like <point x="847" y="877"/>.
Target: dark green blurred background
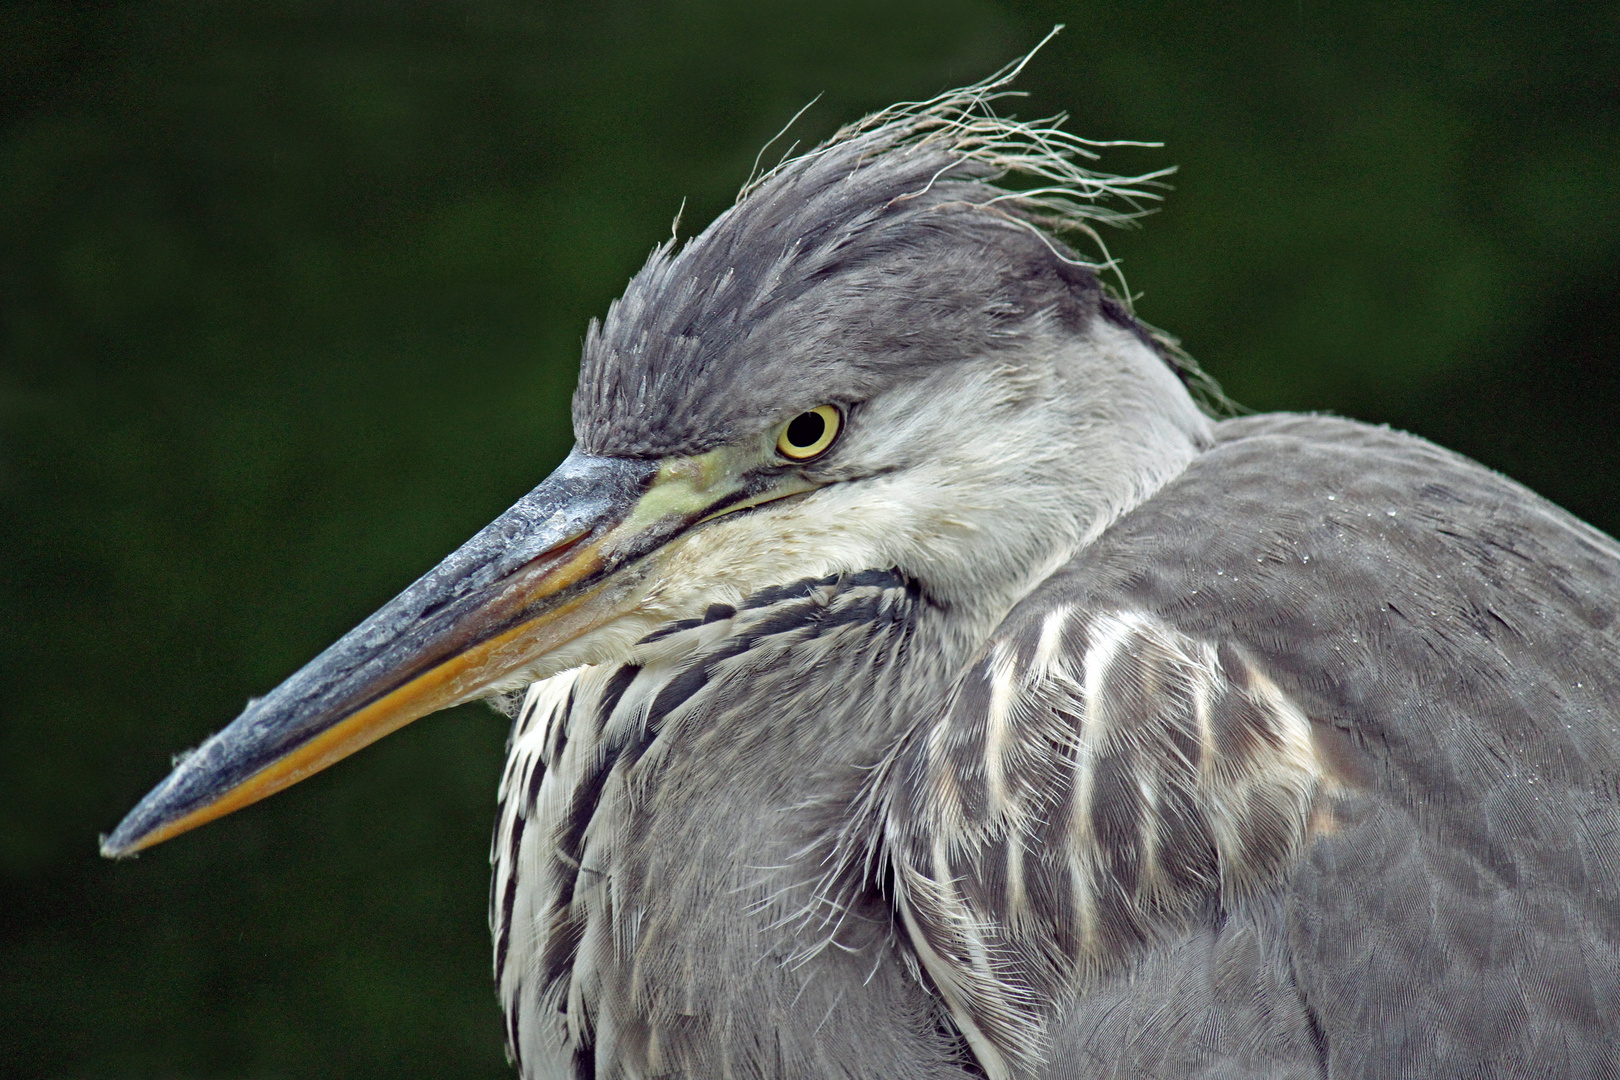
<point x="291" y="297"/>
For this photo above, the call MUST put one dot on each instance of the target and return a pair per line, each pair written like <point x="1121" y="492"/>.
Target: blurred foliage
<point x="291" y="296"/>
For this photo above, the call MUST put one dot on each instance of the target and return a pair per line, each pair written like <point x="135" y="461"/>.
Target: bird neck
<point x="1080" y="436"/>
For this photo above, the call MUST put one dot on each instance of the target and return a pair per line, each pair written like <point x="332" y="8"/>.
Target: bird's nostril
<point x="435" y="606"/>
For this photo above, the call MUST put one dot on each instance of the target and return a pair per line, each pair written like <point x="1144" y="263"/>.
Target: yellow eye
<point x="809" y="433"/>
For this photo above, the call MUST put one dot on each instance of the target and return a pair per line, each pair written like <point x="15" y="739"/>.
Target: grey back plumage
<point x="1449" y="904"/>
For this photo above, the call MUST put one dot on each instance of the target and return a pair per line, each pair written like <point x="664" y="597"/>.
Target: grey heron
<point x="909" y="679"/>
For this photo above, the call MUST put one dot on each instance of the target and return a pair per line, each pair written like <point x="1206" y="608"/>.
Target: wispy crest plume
<point x="1067" y="197"/>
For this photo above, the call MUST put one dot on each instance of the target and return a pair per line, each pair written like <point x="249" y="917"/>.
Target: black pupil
<point x="806" y="429"/>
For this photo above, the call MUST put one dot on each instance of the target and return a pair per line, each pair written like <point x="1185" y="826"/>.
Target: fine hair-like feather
<point x="927" y="233"/>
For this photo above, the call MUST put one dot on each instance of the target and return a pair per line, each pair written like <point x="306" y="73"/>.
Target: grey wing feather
<point x="1308" y="766"/>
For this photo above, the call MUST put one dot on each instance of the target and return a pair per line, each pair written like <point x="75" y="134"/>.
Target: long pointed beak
<point x="541" y="575"/>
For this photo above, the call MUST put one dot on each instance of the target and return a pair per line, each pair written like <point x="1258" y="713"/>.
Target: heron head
<point x="879" y="357"/>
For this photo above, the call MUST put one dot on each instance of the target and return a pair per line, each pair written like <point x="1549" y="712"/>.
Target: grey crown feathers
<point x="842" y="271"/>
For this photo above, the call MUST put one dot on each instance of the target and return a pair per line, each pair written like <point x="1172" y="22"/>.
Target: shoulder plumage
<point x="1322" y="638"/>
<point x="1095" y="781"/>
